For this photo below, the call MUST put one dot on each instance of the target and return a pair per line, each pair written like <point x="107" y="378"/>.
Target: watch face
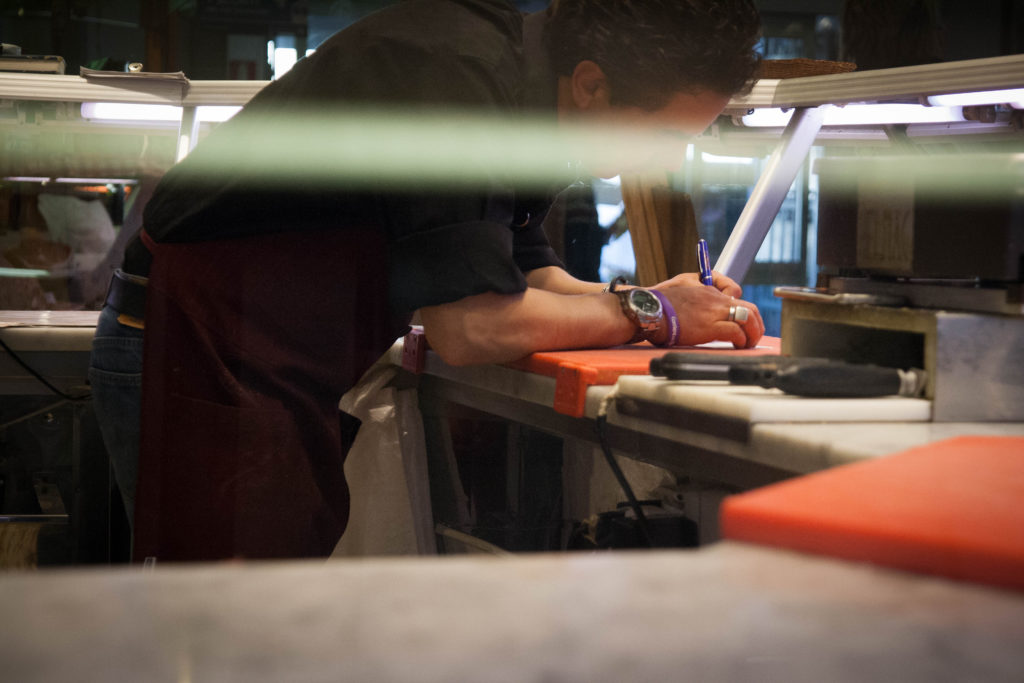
<point x="645" y="303"/>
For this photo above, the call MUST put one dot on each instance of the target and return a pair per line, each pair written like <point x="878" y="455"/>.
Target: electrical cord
<point x="634" y="504"/>
<point x="30" y="370"/>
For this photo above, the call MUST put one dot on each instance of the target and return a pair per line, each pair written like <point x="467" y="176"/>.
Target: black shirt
<point x="421" y="56"/>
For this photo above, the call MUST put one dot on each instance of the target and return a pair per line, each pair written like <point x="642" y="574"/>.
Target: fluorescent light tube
<point x="76" y="181"/>
<point x="968" y="99"/>
<point x="97" y="181"/>
<point x="122" y="111"/>
<point x="119" y="111"/>
<point x="718" y="159"/>
<point x="860" y="115"/>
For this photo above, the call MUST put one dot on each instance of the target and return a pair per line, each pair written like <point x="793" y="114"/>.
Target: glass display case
<point x="75" y="167"/>
<point x="78" y="154"/>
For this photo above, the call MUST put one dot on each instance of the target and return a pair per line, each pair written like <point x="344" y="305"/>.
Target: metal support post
<point x="188" y="132"/>
<point x="769" y="193"/>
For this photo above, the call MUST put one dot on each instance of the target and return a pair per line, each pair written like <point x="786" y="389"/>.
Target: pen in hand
<point x="704" y="263"/>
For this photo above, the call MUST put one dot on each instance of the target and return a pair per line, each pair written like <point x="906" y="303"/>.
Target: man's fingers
<point x="753" y="328"/>
<point x="730" y="332"/>
<point x="748" y="319"/>
<point x="726" y="285"/>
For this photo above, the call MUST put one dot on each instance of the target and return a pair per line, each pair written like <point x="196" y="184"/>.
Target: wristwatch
<point x="644" y="310"/>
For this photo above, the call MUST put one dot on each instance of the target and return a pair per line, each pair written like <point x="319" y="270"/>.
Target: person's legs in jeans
<point x="115" y="375"/>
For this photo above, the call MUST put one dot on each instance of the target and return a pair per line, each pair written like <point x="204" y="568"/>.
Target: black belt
<point x="127" y="294"/>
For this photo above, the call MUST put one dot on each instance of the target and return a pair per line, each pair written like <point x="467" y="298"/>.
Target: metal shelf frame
<point x="806" y="95"/>
<point x="809" y="95"/>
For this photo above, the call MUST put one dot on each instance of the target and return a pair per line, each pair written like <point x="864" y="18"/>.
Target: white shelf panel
<point x="908" y="84"/>
<point x="56" y="88"/>
<point x="902" y="84"/>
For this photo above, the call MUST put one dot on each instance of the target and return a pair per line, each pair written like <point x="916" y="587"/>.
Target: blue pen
<point x="704" y="263"/>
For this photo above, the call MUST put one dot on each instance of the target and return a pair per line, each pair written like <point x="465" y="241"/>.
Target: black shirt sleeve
<point x="422" y="59"/>
<point x="447" y="245"/>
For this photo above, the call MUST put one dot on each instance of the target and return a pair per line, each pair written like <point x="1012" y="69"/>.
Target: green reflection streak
<point x="352" y="148"/>
<point x="23" y="272"/>
<point x="360" y="147"/>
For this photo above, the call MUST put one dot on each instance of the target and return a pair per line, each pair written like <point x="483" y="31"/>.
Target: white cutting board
<point x="755" y="404"/>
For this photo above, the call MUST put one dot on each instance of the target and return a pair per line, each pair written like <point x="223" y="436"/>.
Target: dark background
<point x="222" y="39"/>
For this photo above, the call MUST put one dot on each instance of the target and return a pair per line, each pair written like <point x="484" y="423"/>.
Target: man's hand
<point x="703" y="313"/>
<point x="723" y="283"/>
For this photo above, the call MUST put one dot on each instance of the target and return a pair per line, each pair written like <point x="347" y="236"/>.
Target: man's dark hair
<point x="652" y="49"/>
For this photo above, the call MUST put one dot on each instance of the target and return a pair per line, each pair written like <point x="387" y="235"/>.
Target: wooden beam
<point x="662" y="227"/>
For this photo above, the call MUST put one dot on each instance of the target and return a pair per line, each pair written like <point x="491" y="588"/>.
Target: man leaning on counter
<point x="249" y="306"/>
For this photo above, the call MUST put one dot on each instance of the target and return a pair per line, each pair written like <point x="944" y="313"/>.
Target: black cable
<point x="641" y="518"/>
<point x="17" y="359"/>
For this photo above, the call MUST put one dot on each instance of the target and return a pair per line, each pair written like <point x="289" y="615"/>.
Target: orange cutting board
<point x="575" y="371"/>
<point x="954" y="508"/>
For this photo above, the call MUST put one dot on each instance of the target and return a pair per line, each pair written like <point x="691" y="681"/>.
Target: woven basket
<point x="795" y="68"/>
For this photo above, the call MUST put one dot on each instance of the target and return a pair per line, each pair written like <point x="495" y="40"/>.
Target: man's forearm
<point x="495" y="328"/>
<point x="555" y="279"/>
<point x="558" y="311"/>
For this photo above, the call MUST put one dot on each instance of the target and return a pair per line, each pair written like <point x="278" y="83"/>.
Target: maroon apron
<point x="249" y="345"/>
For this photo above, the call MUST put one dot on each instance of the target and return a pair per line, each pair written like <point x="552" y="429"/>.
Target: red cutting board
<point x="954" y="508"/>
<point x="575" y="371"/>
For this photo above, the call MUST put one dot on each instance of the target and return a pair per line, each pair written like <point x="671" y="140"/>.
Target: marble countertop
<point x="48" y="330"/>
<point x="727" y="612"/>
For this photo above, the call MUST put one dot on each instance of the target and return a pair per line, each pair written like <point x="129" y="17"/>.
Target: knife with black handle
<point x="812" y="377"/>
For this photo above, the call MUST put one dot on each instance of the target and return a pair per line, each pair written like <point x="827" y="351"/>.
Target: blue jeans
<point x="115" y="375"/>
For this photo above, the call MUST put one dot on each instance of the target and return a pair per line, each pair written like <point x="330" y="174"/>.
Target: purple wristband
<point x="670" y="314"/>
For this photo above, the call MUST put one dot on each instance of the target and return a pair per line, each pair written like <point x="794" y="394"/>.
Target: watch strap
<point x="649" y="326"/>
<point x="627" y="310"/>
<point x="616" y="281"/>
<point x="670" y="317"/>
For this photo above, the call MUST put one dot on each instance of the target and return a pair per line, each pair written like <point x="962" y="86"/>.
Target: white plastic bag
<point x="386" y="471"/>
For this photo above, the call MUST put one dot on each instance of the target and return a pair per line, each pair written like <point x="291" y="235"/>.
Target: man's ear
<point x="589" y="85"/>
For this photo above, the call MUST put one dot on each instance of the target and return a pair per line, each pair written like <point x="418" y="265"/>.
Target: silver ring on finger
<point x="738" y="314"/>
